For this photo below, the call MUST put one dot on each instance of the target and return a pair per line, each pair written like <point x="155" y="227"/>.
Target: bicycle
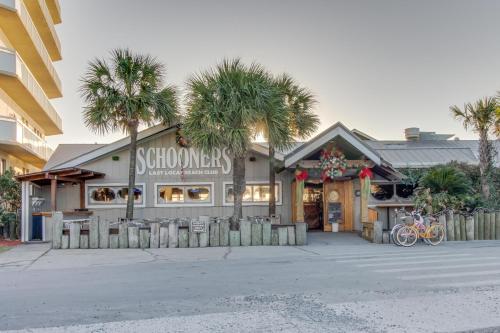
<point x="398" y="226"/>
<point x="409" y="234"/>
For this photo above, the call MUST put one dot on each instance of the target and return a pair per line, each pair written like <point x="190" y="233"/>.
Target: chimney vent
<point x="412" y="134"/>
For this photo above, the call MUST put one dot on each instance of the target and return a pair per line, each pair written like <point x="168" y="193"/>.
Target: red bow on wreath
<point x="301" y="175"/>
<point x="366" y="172"/>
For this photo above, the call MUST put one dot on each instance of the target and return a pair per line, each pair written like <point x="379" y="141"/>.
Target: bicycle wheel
<point x="407" y="236"/>
<point x="436" y="234"/>
<point x="394" y="231"/>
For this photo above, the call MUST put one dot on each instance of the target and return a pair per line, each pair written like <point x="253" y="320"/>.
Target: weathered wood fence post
<point x="94" y="232"/>
<point x="224" y="232"/>
<point x="57" y="229"/>
<point x="245" y="232"/>
<point x="442" y="221"/>
<point x="450" y="226"/>
<point x="476" y="226"/>
<point x="493" y="230"/>
<point x="497" y="224"/>
<point x="204" y="236"/>
<point x="256" y="229"/>
<point x="123" y="235"/>
<point x="133" y="237"/>
<point x="155" y="235"/>
<point x="173" y="234"/>
<point x="481" y="225"/>
<point x="463" y="235"/>
<point x="469" y="228"/>
<point x="456" y="226"/>
<point x="74" y="235"/>
<point x="163" y="236"/>
<point x="103" y="234"/>
<point x="300" y="233"/>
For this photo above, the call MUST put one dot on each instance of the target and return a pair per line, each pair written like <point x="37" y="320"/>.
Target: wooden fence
<point x="93" y="233"/>
<point x="481" y="225"/>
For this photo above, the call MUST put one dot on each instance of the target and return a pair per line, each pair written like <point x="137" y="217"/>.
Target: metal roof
<point x="429" y="153"/>
<point x="66" y="152"/>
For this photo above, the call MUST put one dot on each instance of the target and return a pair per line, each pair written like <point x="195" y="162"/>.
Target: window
<point x="404" y="191"/>
<point x="115" y="195"/>
<point x="184" y="194"/>
<point x="382" y="191"/>
<point x="256" y="193"/>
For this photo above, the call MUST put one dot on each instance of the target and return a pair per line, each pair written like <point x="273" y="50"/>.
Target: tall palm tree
<point x="126" y="93"/>
<point x="223" y="106"/>
<point x="286" y="122"/>
<point x="481" y="118"/>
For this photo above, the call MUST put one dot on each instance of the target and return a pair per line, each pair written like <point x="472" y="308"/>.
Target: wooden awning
<point x="70" y="175"/>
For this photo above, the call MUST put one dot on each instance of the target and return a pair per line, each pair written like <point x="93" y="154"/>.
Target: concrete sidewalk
<point x="22" y="256"/>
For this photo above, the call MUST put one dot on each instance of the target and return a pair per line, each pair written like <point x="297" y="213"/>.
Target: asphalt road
<point x="336" y="284"/>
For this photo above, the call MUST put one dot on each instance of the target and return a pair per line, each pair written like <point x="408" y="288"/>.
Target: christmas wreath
<point x="332" y="163"/>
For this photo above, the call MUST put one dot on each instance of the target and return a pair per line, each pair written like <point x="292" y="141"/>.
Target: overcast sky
<point x="378" y="66"/>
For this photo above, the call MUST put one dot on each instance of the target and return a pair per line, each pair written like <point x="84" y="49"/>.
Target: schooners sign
<point x="159" y="161"/>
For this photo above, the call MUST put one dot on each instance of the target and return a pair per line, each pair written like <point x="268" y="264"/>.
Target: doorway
<point x="339" y="205"/>
<point x="313" y="205"/>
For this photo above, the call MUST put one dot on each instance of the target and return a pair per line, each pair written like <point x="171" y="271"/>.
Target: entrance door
<point x="338" y="205"/>
<point x="313" y="206"/>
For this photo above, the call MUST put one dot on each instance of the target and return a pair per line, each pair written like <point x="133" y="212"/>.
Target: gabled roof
<point x="66" y="152"/>
<point x="112" y="147"/>
<point x="337" y="130"/>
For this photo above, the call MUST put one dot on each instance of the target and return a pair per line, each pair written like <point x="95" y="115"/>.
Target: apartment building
<point x="28" y="80"/>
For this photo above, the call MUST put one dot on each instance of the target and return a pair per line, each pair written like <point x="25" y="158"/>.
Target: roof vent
<point x="412" y="134"/>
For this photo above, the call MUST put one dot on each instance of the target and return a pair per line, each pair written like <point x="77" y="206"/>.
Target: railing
<point x="16" y="131"/>
<point x="29" y="81"/>
<point x="19" y="7"/>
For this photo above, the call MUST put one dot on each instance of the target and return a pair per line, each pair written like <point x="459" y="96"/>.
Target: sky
<point x="378" y="66"/>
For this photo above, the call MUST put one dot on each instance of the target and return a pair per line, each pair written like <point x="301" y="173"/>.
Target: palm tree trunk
<point x="131" y="170"/>
<point x="272" y="181"/>
<point x="239" y="185"/>
<point x="484" y="163"/>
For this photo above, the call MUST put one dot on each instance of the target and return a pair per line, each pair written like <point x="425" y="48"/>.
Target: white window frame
<point x="279" y="199"/>
<point x="188" y="203"/>
<point x="93" y="206"/>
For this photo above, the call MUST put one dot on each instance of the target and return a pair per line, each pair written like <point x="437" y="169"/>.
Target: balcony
<point x="19" y="28"/>
<point x="18" y="140"/>
<point x="40" y="14"/>
<point x="55" y="10"/>
<point x="18" y="82"/>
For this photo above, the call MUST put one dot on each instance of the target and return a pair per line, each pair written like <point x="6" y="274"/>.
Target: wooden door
<point x="339" y="192"/>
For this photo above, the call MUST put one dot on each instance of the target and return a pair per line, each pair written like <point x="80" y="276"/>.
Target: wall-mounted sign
<point x="198" y="226"/>
<point x="173" y="161"/>
<point x="335" y="212"/>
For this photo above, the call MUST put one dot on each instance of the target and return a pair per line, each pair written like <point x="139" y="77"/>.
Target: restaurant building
<point x="175" y="180"/>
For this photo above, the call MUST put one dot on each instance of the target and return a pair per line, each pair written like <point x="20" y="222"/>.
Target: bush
<point x="10" y="202"/>
<point x="443" y="187"/>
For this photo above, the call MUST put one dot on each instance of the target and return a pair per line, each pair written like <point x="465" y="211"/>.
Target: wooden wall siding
<point x="372" y="215"/>
<point x="346" y="195"/>
<point x="117" y="172"/>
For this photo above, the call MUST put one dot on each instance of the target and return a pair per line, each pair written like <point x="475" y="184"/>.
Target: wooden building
<point x="173" y="180"/>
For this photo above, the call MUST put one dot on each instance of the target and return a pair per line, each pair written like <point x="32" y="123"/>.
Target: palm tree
<point x="286" y="122"/>
<point x="481" y="118"/>
<point x="124" y="94"/>
<point x="223" y="106"/>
